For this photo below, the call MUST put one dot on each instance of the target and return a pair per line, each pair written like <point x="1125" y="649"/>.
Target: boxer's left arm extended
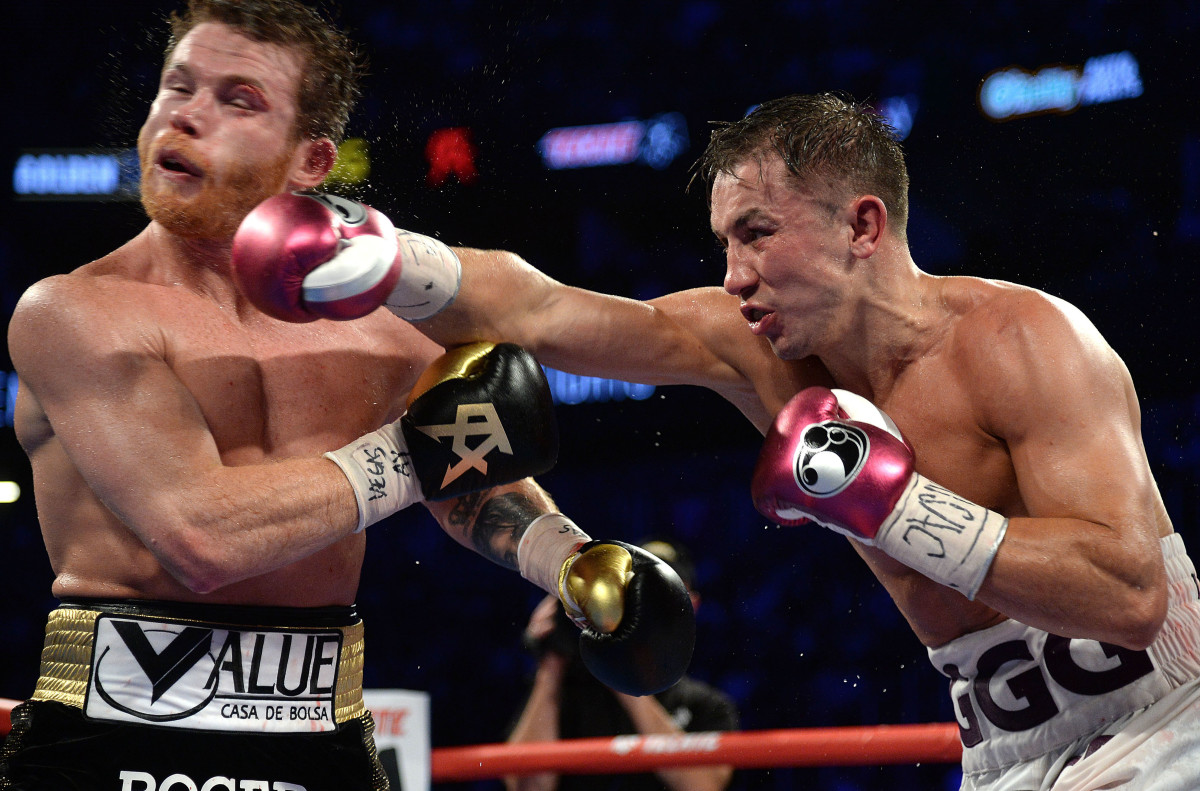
<point x="304" y="256"/>
<point x="637" y="620"/>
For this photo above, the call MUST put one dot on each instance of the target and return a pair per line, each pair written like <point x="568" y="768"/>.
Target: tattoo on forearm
<point x="464" y="511"/>
<point x="498" y="526"/>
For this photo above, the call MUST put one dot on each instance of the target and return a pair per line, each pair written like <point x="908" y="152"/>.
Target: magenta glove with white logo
<point x="834" y="458"/>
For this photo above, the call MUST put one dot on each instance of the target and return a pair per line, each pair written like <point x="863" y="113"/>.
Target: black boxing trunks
<point x="162" y="696"/>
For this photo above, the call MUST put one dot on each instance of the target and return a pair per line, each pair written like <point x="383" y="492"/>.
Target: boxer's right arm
<point x="137" y="436"/>
<point x="670" y="340"/>
<point x="494" y="393"/>
<point x="696" y="337"/>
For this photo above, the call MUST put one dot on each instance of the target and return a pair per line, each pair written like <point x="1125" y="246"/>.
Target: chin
<point x="220" y="205"/>
<point x="191" y="219"/>
<point x="212" y="214"/>
<point x="782" y="350"/>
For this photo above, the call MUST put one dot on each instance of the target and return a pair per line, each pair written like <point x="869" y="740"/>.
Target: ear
<point x="868" y="221"/>
<point x="312" y="162"/>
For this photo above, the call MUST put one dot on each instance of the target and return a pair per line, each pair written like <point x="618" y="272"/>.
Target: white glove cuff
<point x="380" y="473"/>
<point x="430" y="274"/>
<point x="948" y="539"/>
<point x="358" y="267"/>
<point x="547" y="543"/>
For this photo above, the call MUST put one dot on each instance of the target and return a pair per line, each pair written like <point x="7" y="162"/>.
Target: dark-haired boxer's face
<point x="220" y="136"/>
<point x="786" y="255"/>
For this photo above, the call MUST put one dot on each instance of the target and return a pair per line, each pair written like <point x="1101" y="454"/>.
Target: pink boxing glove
<point x="817" y="464"/>
<point x="305" y="256"/>
<point x="833" y="457"/>
<point x="301" y="256"/>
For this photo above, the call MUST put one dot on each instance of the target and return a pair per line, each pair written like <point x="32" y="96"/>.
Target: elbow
<point x="1144" y="613"/>
<point x="201" y="583"/>
<point x="196" y="561"/>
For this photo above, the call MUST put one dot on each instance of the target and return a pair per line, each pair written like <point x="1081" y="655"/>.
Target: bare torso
<point x="943" y="403"/>
<point x="980" y="376"/>
<point x="267" y="390"/>
<point x="937" y="402"/>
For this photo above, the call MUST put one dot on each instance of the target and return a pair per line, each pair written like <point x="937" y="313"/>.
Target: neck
<point x="898" y="319"/>
<point x="202" y="265"/>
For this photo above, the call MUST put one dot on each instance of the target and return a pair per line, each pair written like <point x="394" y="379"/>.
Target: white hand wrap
<point x="430" y="274"/>
<point x="380" y="473"/>
<point x="948" y="539"/>
<point x="547" y="543"/>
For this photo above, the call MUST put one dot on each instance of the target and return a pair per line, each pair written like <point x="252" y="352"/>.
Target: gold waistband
<point x="67" y="661"/>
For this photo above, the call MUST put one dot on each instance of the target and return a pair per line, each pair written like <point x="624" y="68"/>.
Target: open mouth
<point x="176" y="163"/>
<point x="754" y="315"/>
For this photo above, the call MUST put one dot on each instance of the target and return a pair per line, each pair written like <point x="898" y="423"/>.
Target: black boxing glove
<point x="480" y="416"/>
<point x="639" y="626"/>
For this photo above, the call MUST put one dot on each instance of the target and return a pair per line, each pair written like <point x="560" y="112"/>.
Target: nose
<point x="190" y="117"/>
<point x="739" y="275"/>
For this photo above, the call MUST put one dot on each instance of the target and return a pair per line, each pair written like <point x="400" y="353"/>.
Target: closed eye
<point x="244" y="97"/>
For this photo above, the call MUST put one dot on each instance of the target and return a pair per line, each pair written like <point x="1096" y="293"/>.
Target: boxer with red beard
<point x="203" y="472"/>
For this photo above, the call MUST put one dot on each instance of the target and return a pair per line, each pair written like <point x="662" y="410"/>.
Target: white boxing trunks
<point x="1038" y="711"/>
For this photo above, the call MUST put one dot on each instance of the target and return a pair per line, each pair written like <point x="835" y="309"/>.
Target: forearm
<point x="539" y="721"/>
<point x="1079" y="579"/>
<point x="234" y="523"/>
<point x="649" y="717"/>
<point x="491" y="522"/>
<point x="497" y="293"/>
<point x="503" y="298"/>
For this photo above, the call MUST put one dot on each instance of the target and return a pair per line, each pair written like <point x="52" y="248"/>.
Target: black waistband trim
<point x="232" y="614"/>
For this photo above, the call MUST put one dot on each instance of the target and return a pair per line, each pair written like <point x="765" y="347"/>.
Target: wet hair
<point x="825" y="140"/>
<point x="329" y="85"/>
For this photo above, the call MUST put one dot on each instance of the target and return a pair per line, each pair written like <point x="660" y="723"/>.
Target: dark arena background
<point x="1054" y="143"/>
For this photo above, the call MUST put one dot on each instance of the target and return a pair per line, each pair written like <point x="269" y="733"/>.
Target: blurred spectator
<point x="566" y="702"/>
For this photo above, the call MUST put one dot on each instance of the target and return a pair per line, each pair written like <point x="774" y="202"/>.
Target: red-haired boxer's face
<point x="220" y="137"/>
<point x="786" y="255"/>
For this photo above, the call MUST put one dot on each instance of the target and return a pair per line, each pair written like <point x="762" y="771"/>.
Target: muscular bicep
<point x="1065" y="406"/>
<point x="114" y="406"/>
<point x="1081" y="555"/>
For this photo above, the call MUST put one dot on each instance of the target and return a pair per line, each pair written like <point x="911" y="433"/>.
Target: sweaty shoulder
<point x="1015" y="343"/>
<point x="92" y="310"/>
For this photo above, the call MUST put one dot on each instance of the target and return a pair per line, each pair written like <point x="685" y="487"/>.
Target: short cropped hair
<point x="823" y="138"/>
<point x="329" y="86"/>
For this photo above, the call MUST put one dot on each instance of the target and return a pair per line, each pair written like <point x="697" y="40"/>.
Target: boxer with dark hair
<point x="982" y="448"/>
<point x="204" y="472"/>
